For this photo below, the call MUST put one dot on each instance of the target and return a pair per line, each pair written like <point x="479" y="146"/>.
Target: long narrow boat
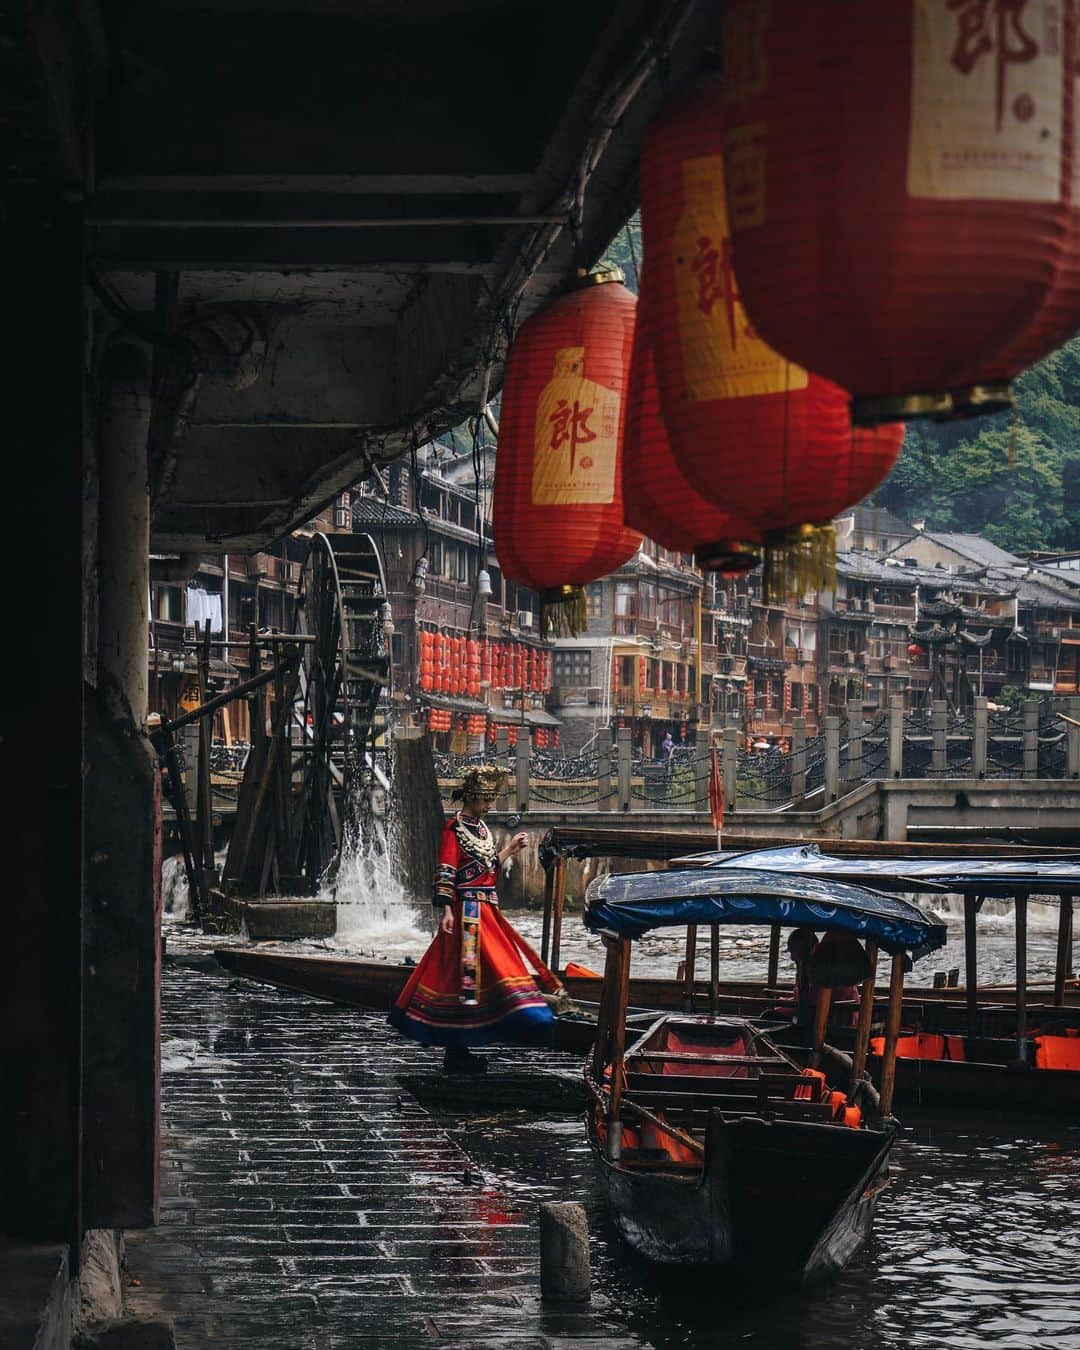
<point x="716" y="1145"/>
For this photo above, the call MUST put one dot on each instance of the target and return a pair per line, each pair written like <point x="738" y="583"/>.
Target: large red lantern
<point x="658" y="499"/>
<point x="763" y="438"/>
<point x="558" y="511"/>
<point x="900" y="182"/>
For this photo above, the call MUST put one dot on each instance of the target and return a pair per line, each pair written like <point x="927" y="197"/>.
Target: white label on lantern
<point x="987" y="100"/>
<point x="576" y="442"/>
<point x="722" y="355"/>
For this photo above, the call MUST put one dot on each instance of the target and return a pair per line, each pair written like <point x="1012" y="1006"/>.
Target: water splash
<point x="376" y="916"/>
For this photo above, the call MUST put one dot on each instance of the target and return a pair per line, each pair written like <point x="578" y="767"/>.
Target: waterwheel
<point x="341" y="613"/>
<point x="316" y="778"/>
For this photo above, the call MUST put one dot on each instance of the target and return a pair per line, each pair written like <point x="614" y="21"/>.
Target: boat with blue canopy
<point x="718" y="1144"/>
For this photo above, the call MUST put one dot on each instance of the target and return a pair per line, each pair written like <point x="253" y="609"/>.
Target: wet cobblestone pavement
<point x="308" y="1200"/>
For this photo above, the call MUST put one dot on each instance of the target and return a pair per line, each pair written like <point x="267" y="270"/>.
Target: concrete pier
<point x="308" y="1200"/>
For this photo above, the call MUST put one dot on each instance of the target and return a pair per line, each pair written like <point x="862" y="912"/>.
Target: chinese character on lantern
<point x="570" y="423"/>
<point x="985" y="26"/>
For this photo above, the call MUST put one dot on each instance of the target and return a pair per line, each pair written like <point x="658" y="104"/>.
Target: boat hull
<point x="788" y="1198"/>
<point x="971" y="1086"/>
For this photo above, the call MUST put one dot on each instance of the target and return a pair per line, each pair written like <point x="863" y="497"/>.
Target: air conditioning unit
<point x="524" y="618"/>
<point x="802" y="654"/>
<point x="855" y="602"/>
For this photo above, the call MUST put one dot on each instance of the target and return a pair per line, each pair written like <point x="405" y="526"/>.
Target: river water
<point x="977" y="1240"/>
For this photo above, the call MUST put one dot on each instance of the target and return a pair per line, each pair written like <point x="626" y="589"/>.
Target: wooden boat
<point x="716" y="1145"/>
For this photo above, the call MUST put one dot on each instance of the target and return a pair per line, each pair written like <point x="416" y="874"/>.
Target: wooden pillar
<point x="892" y="1033"/>
<point x="558" y="901"/>
<point x="821" y="1021"/>
<point x="774" y="957"/>
<point x="1063" y="962"/>
<point x="688" y="974"/>
<point x="971" y="964"/>
<point x="714" y="968"/>
<point x="1020" y="907"/>
<point x="618" y="1049"/>
<point x="862" y="1029"/>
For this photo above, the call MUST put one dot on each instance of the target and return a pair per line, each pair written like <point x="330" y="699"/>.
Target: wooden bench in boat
<point x="768" y="1085"/>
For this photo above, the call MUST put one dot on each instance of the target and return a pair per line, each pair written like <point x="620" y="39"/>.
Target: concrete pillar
<point x="521" y="759"/>
<point x="502" y="759"/>
<point x="625" y="768"/>
<point x="1030" y="708"/>
<point x="798" y="758"/>
<point x="701" y="771"/>
<point x="832" y="757"/>
<point x="564" y="1253"/>
<point x="124" y="530"/>
<point x="729" y="767"/>
<point x="896" y="735"/>
<point x="939" y="730"/>
<point x="855" y="727"/>
<point x="1072" y="738"/>
<point x="603" y="773"/>
<point x="979" y="727"/>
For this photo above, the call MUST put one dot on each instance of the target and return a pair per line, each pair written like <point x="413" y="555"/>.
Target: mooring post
<point x="625" y="768"/>
<point x="701" y="771"/>
<point x="522" y="763"/>
<point x="564" y="1253"/>
<point x="729" y="767"/>
<point x="892" y="1033"/>
<point x="558" y="897"/>
<point x="798" y="758"/>
<point x="862" y="1030"/>
<point x="603" y="773"/>
<point x="971" y="965"/>
<point x="832" y="757"/>
<point x="1020" y="906"/>
<point x="939" y="734"/>
<point x="1063" y="961"/>
<point x="1072" y="738"/>
<point x="502" y="759"/>
<point x="854" y="711"/>
<point x="979" y="729"/>
<point x="896" y="735"/>
<point x="1030" y="707"/>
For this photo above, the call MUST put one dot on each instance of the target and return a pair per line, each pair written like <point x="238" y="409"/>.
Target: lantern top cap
<point x="601" y="276"/>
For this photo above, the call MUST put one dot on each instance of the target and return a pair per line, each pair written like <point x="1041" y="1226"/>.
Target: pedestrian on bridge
<point x="473" y="984"/>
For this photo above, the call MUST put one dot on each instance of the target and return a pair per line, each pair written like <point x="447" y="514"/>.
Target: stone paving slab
<point x="310" y="1201"/>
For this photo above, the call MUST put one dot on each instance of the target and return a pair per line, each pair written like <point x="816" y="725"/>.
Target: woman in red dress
<point x="472" y="985"/>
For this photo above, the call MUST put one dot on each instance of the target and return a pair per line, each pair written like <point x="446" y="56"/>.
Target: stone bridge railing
<point x="1037" y="742"/>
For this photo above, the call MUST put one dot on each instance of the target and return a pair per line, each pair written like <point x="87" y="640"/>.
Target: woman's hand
<point x="516" y="844"/>
<point x="446" y="923"/>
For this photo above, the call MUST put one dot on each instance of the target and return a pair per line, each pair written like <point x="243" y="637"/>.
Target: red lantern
<point x="657" y="497"/>
<point x="915" y="650"/>
<point x="558" y="511"/>
<point x="768" y="440"/>
<point x="900" y="255"/>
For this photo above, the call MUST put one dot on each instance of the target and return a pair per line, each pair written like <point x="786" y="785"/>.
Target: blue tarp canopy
<point x="633" y="904"/>
<point x="971" y="875"/>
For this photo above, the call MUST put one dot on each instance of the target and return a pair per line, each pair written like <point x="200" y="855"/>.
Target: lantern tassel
<point x="563" y="612"/>
<point x="798" y="560"/>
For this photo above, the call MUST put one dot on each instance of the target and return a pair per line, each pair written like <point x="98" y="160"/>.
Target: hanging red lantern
<point x="658" y="499"/>
<point x="901" y="254"/>
<point x="558" y="511"/>
<point x="915" y="650"/>
<point x="771" y="442"/>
